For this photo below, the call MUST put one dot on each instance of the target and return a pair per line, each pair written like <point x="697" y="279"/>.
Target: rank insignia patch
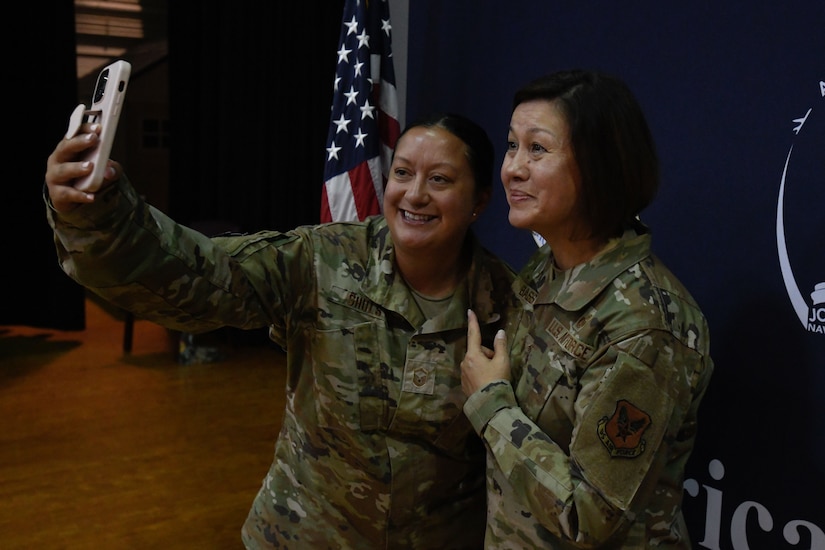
<point x="419" y="377"/>
<point x="622" y="433"/>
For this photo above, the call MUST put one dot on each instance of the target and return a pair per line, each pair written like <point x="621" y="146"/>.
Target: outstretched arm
<point x="140" y="259"/>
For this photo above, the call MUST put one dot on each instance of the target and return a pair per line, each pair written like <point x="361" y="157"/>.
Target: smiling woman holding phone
<point x="374" y="450"/>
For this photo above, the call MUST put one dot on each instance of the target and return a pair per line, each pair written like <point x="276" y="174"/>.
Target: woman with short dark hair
<point x="588" y="403"/>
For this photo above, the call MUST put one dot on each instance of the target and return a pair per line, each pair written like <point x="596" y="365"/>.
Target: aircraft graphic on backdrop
<point x="813" y="317"/>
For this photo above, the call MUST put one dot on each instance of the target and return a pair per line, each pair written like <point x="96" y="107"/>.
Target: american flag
<point x="364" y="120"/>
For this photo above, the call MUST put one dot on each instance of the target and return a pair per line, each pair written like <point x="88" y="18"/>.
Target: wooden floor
<point x="104" y="450"/>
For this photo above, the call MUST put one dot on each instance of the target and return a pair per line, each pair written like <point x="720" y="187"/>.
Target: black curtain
<point x="250" y="93"/>
<point x="249" y="101"/>
<point x="41" y="83"/>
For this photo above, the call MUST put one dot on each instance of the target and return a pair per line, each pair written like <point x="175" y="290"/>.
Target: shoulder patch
<point x="622" y="433"/>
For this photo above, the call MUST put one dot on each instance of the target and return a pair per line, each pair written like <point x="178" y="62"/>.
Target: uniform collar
<point x="386" y="287"/>
<point x="579" y="285"/>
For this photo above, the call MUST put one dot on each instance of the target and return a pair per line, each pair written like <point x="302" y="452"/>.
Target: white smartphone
<point x="107" y="103"/>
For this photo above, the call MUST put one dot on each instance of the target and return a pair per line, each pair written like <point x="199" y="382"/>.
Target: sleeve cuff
<point x="483" y="405"/>
<point x="120" y="196"/>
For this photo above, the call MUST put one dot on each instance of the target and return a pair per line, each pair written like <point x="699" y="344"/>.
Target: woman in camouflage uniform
<point x="608" y="352"/>
<point x="374" y="449"/>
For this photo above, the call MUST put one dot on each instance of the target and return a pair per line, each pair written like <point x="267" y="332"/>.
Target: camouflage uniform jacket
<point x="374" y="449"/>
<point x="610" y="361"/>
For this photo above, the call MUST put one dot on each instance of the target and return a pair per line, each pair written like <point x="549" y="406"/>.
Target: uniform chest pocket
<point x="348" y="387"/>
<point x="430" y="404"/>
<point x="539" y="375"/>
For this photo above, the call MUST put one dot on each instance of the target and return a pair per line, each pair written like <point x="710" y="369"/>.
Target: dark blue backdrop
<point x="723" y="87"/>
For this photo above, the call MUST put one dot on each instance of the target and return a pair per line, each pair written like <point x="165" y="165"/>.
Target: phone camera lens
<point x="101" y="86"/>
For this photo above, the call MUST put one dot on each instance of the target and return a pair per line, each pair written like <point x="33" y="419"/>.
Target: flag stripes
<point x="364" y="116"/>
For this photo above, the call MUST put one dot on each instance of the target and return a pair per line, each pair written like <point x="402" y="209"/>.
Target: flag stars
<point x="343" y="54"/>
<point x="363" y="39"/>
<point x="359" y="138"/>
<point x="333" y="152"/>
<point x="354" y="138"/>
<point x="342" y="124"/>
<point x="367" y="110"/>
<point x="352" y="26"/>
<point x="352" y="95"/>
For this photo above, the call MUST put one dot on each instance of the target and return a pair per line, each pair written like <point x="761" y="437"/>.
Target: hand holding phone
<point x="107" y="103"/>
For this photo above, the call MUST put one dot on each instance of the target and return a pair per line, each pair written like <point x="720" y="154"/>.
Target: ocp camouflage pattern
<point x="374" y="449"/>
<point x="587" y="448"/>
